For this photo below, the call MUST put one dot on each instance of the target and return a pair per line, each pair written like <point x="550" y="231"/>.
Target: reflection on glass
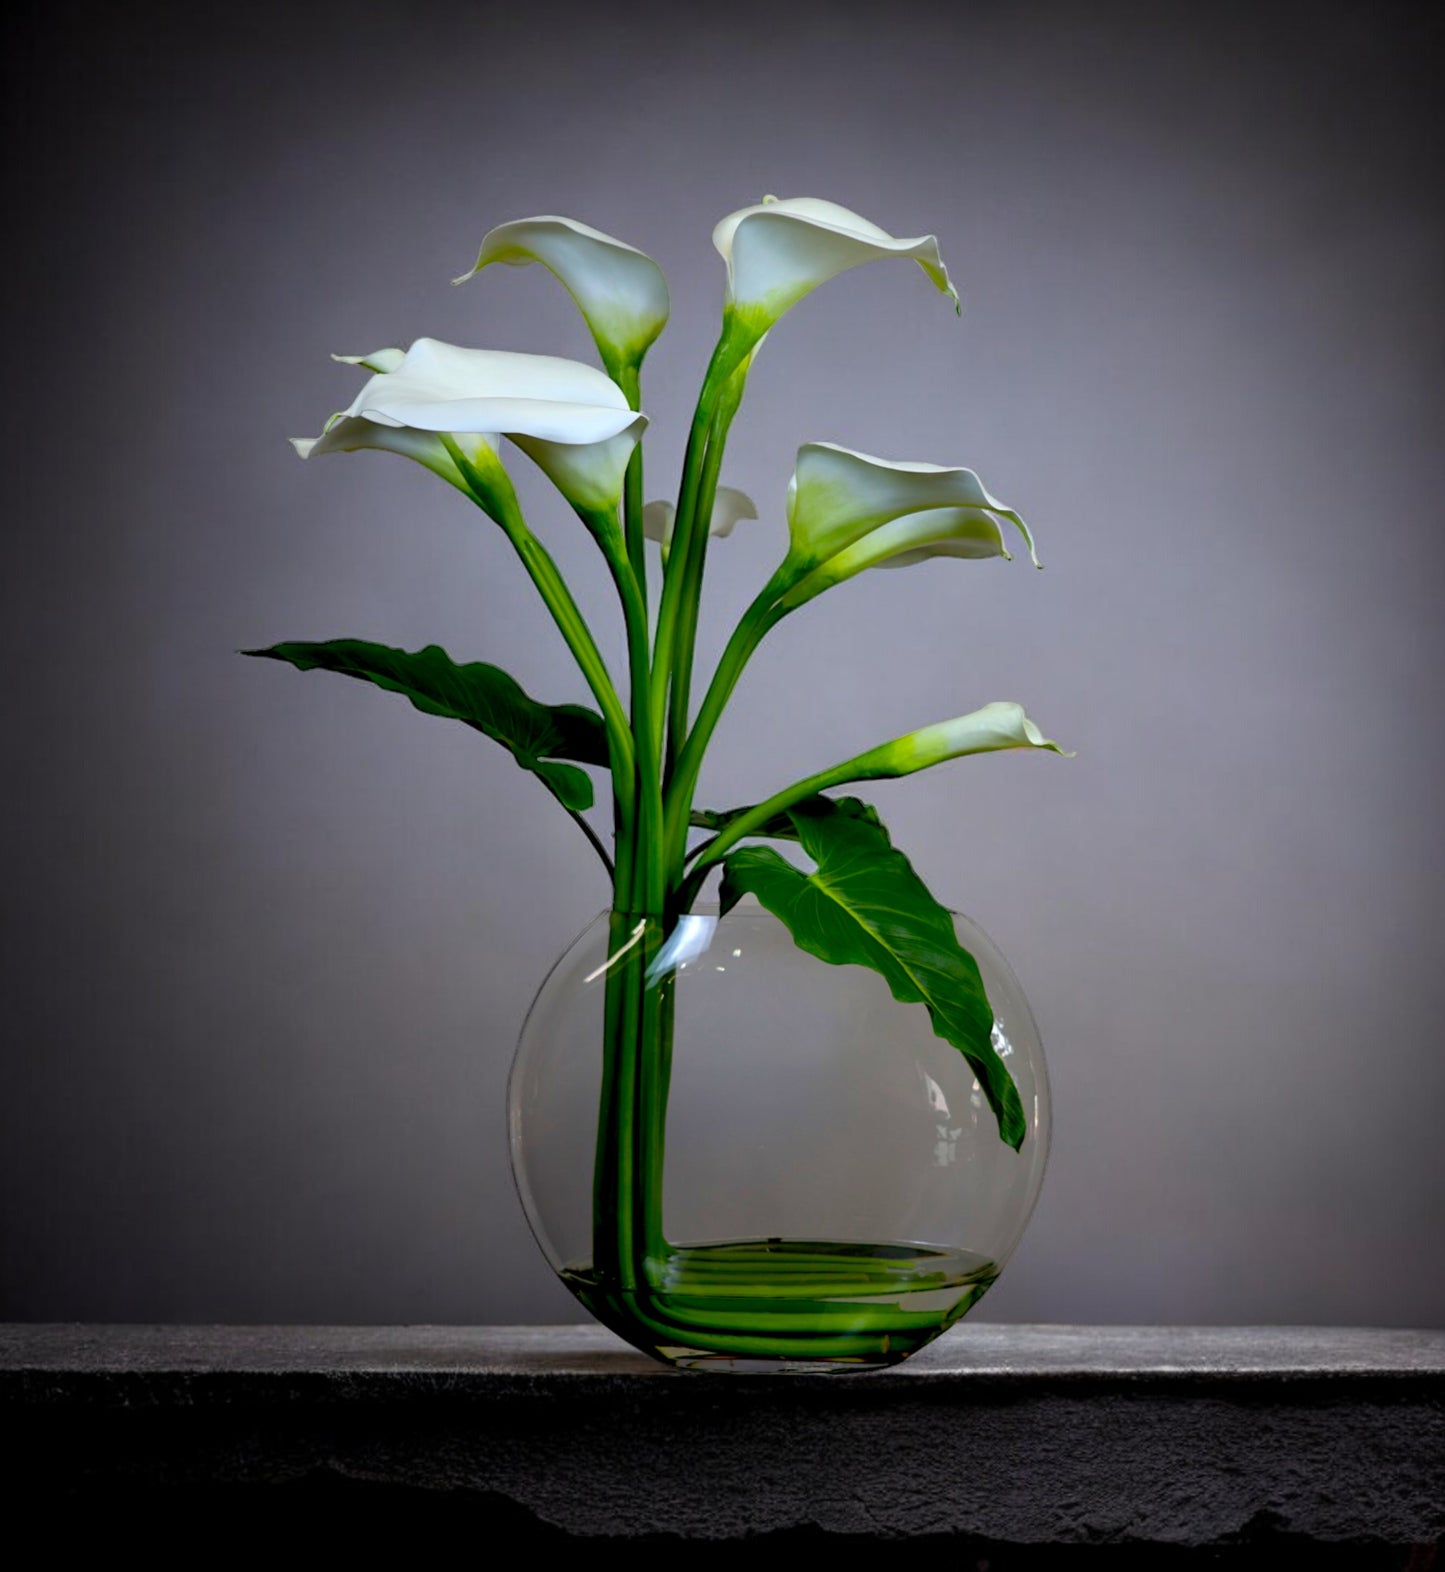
<point x="834" y="1191"/>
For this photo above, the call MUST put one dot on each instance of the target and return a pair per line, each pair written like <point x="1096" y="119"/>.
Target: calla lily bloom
<point x="348" y="434"/>
<point x="971" y="533"/>
<point x="993" y="729"/>
<point x="443" y="387"/>
<point x="779" y="251"/>
<point x="728" y="507"/>
<point x="838" y="496"/>
<point x="619" y="290"/>
<point x="572" y="420"/>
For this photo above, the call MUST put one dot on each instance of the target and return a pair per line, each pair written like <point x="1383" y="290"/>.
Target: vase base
<point x="726" y="1364"/>
<point x="788" y="1306"/>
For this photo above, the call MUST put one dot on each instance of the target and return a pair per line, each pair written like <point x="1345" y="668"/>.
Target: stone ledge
<point x="996" y="1436"/>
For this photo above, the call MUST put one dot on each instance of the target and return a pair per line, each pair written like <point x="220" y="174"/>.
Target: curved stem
<point x="756" y="622"/>
<point x="697" y="851"/>
<point x="746" y="824"/>
<point x="493" y="493"/>
<point x="597" y="845"/>
<point x="629" y="379"/>
<point x="680" y="697"/>
<point x="647" y="847"/>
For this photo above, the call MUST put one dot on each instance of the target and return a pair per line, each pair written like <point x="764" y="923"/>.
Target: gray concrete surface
<point x="1007" y="1436"/>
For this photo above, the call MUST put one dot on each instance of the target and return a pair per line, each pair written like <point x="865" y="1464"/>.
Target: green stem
<point x="643" y="1022"/>
<point x="597" y="845"/>
<point x="746" y="824"/>
<point x="629" y="379"/>
<point x="628" y="1171"/>
<point x="695" y="548"/>
<point x="614" y="1254"/>
<point x="676" y="583"/>
<point x="696" y="852"/>
<point x="755" y="624"/>
<point x="493" y="493"/>
<point x="645" y="849"/>
<point x="628" y="1247"/>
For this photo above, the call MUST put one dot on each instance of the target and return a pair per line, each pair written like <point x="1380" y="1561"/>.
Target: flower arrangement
<point x="449" y="409"/>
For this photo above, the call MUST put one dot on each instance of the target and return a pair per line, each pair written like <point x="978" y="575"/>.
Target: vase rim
<point x="700" y="908"/>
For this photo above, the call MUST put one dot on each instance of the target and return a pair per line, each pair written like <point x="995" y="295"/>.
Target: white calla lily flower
<point x="838" y="496"/>
<point x="443" y="387"/>
<point x="590" y="475"/>
<point x="729" y="505"/>
<point x="572" y="420"/>
<point x="619" y="290"/>
<point x="970" y="533"/>
<point x="993" y="729"/>
<point x="779" y="251"/>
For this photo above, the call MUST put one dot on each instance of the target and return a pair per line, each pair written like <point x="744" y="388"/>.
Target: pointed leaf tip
<point x="540" y="737"/>
<point x="863" y="904"/>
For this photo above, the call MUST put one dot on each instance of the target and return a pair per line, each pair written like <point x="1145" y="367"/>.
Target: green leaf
<point x="481" y="696"/>
<point x="864" y="905"/>
<point x="780" y="827"/>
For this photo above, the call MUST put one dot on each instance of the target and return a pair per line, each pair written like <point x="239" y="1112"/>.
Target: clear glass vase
<point x="738" y="1156"/>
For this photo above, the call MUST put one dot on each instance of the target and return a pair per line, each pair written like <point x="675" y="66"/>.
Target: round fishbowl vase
<point x="740" y="1157"/>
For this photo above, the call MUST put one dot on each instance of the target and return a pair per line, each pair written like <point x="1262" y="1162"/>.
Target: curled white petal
<point x="619" y="290"/>
<point x="779" y="251"/>
<point x="970" y="533"/>
<point x="991" y="729"/>
<point x="657" y="520"/>
<point x="837" y="496"/>
<point x="573" y="420"/>
<point x="590" y="476"/>
<point x="729" y="505"/>
<point x="443" y="387"/>
<point x="348" y="434"/>
<point x="377" y="360"/>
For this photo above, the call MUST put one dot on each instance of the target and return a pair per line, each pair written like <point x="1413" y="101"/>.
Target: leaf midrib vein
<point x="821" y="882"/>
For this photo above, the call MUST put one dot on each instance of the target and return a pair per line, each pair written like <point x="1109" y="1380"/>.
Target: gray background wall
<point x="269" y="938"/>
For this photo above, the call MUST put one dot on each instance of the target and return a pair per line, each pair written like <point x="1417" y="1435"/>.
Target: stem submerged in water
<point x="809" y="1302"/>
<point x="628" y="1244"/>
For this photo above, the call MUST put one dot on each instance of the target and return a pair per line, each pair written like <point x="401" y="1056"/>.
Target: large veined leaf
<point x="481" y="696"/>
<point x="864" y="905"/>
